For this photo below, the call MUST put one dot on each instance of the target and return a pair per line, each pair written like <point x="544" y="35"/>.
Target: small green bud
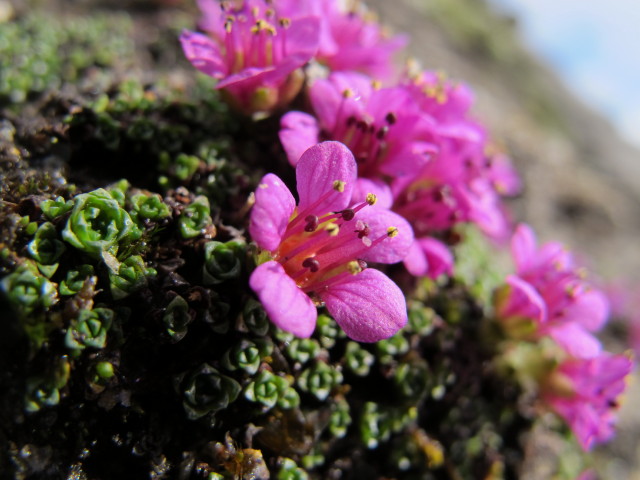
<point x="319" y="380"/>
<point x="195" y="218"/>
<point x="358" y="360"/>
<point x="105" y="370"/>
<point x="206" y="391"/>
<point x="222" y="261"/>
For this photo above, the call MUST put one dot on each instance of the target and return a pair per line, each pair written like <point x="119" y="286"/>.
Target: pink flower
<point x="550" y="294"/>
<point x="318" y="250"/>
<point x="386" y="133"/>
<point x="585" y="393"/>
<point x="256" y="53"/>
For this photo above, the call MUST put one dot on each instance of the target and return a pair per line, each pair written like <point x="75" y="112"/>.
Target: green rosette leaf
<point x="206" y="391"/>
<point x="89" y="329"/>
<point x="55" y="208"/>
<point x="195" y="218"/>
<point x="46" y="249"/>
<point x="222" y="261"/>
<point x="75" y="279"/>
<point x="99" y="224"/>
<point x="132" y="276"/>
<point x="150" y="207"/>
<point x="28" y="291"/>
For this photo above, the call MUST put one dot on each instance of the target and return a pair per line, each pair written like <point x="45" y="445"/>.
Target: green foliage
<point x="89" y="329"/>
<point x="206" y="391"/>
<point x="358" y="360"/>
<point x="302" y="349"/>
<point x="28" y="291"/>
<point x="222" y="261"/>
<point x="319" y="379"/>
<point x="290" y="471"/>
<point x="194" y="219"/>
<point x="177" y="317"/>
<point x="149" y="207"/>
<point x="247" y="355"/>
<point x="98" y="224"/>
<point x="46" y="249"/>
<point x="75" y="279"/>
<point x="271" y="390"/>
<point x="130" y="277"/>
<point x="53" y="209"/>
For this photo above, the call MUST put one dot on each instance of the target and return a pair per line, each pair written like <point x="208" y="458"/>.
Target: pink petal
<point x="379" y="188"/>
<point x="367" y="306"/>
<point x="298" y="132"/>
<point x="523" y="247"/>
<point x="288" y="307"/>
<point x="318" y="170"/>
<point x="203" y="53"/>
<point x="271" y="212"/>
<point x="439" y="257"/>
<point x="518" y="299"/>
<point x="590" y="309"/>
<point x="575" y="340"/>
<point x="390" y="249"/>
<point x="416" y="261"/>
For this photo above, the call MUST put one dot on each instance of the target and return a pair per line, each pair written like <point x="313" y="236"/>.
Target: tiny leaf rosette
<point x="99" y="224"/>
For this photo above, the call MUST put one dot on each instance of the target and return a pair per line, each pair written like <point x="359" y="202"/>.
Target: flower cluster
<point x="387" y="165"/>
<point x="549" y="297"/>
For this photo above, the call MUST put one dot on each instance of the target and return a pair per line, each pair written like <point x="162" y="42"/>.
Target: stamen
<point x="392" y="232"/>
<point x="312" y="264"/>
<point x="312" y="223"/>
<point x="347" y="93"/>
<point x="347" y="214"/>
<point x="371" y="198"/>
<point x="391" y="118"/>
<point x="285" y="22"/>
<point x="354" y="267"/>
<point x="338" y="185"/>
<point x="382" y="132"/>
<point x="332" y="229"/>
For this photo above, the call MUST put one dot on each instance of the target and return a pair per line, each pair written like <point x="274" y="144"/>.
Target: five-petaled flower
<point x="256" y="54"/>
<point x="585" y="393"/>
<point x="319" y="250"/>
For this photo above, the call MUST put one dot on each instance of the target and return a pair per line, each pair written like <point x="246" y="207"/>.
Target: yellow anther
<point x="376" y="84"/>
<point x="332" y="229"/>
<point x="285" y="22"/>
<point x="371" y="198"/>
<point x="228" y="26"/>
<point x="392" y="232"/>
<point x="347" y="93"/>
<point x="354" y="267"/>
<point x="338" y="185"/>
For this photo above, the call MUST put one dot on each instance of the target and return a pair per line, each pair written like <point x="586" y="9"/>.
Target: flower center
<point x="253" y="38"/>
<point x="318" y="251"/>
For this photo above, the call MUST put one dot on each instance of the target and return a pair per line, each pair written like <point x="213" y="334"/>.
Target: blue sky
<point x="595" y="47"/>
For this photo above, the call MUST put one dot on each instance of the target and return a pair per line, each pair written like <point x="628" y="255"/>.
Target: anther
<point x="376" y="84"/>
<point x="354" y="267"/>
<point x="338" y="185"/>
<point x="347" y="214"/>
<point x="347" y="93"/>
<point x="391" y="118"/>
<point x="332" y="229"/>
<point x="285" y="22"/>
<point x="362" y="229"/>
<point x="312" y="223"/>
<point x="392" y="232"/>
<point x="351" y="121"/>
<point x="371" y="198"/>
<point x="312" y="264"/>
<point x="382" y="132"/>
